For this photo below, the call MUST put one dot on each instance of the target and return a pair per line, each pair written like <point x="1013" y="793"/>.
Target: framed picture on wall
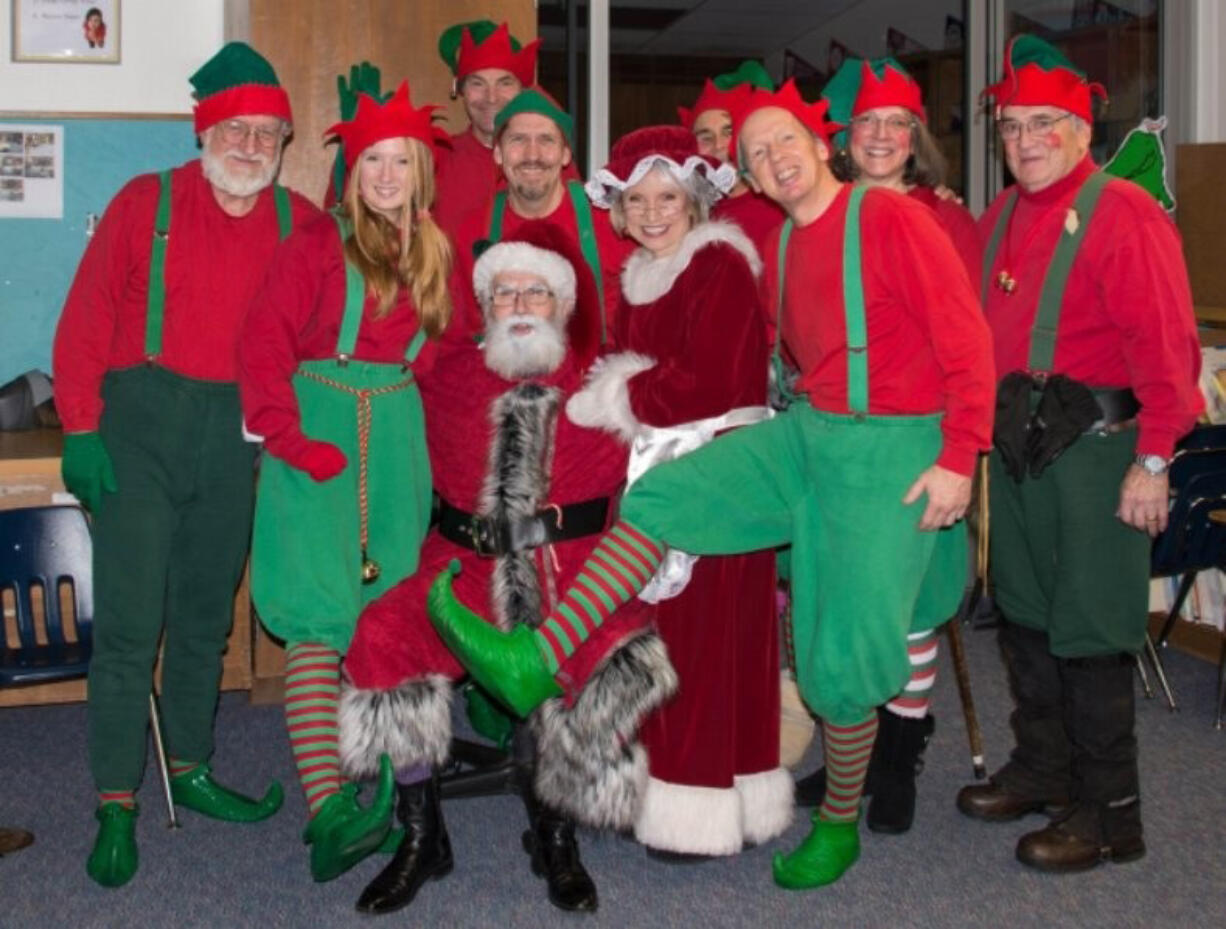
<point x="66" y="31"/>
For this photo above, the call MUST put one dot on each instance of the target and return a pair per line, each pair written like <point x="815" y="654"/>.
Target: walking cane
<point x="954" y="629"/>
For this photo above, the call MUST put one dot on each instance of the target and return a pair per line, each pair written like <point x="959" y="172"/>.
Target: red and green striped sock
<point x="922" y="653"/>
<point x="312" y="691"/>
<point x="847" y="750"/>
<point x="179" y="767"/>
<point x="125" y="798"/>
<point x="618" y="568"/>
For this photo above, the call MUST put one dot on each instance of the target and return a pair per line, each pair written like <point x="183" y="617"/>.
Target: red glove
<point x="321" y="460"/>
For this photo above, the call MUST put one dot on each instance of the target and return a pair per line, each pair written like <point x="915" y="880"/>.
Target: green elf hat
<point x="1038" y="74"/>
<point x="862" y="85"/>
<point x="727" y="91"/>
<point x="480" y="44"/>
<point x="535" y="100"/>
<point x="237" y="81"/>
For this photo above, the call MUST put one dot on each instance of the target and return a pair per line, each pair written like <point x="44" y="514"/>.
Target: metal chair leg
<point x="1160" y="673"/>
<point x="1149" y="691"/>
<point x="159" y="748"/>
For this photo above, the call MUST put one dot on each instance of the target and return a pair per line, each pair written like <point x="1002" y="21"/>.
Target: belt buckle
<point x="480" y="531"/>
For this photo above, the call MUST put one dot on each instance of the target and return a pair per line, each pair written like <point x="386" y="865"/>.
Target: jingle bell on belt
<point x="370" y="569"/>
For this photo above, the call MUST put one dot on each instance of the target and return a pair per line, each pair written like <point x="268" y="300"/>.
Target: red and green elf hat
<point x="535" y="100"/>
<point x="397" y="118"/>
<point x="813" y="116"/>
<point x="1038" y="74"/>
<point x="237" y="81"/>
<point x="474" y="46"/>
<point x="728" y="91"/>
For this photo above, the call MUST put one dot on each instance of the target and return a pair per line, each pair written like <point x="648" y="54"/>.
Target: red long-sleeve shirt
<point x="214" y="264"/>
<point x="929" y="349"/>
<point x="1126" y="319"/>
<point x="963" y="231"/>
<point x="296" y="316"/>
<point x="757" y="215"/>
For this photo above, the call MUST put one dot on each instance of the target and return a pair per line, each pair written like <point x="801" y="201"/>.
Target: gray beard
<point x="519" y="356"/>
<point x="237" y="186"/>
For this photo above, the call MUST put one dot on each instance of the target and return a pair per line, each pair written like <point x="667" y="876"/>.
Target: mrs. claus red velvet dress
<point x="713" y="751"/>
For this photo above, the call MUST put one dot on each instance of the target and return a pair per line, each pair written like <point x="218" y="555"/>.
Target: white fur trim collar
<point x="603" y="181"/>
<point x="646" y="279"/>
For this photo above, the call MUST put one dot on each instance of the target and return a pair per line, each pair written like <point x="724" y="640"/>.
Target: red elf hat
<point x="397" y="118"/>
<point x="1038" y="74"/>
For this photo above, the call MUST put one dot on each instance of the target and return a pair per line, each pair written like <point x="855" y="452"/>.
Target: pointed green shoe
<point x="114" y="858"/>
<point x="197" y="790"/>
<point x="342" y="833"/>
<point x="822" y="858"/>
<point x="509" y="666"/>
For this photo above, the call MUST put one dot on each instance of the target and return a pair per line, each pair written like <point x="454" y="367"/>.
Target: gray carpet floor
<point x="947" y="872"/>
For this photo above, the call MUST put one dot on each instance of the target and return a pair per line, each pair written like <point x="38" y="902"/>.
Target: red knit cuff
<point x="959" y="460"/>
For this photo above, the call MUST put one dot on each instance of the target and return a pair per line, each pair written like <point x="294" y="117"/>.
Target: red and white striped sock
<point x="847" y="750"/>
<point x="914" y="700"/>
<point x="312" y="692"/>
<point x="125" y="798"/>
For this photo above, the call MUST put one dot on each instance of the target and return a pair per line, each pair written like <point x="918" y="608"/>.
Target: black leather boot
<point x="424" y="852"/>
<point x="1038" y="776"/>
<point x="1105" y="822"/>
<point x="555" y="857"/>
<point x="898" y="756"/>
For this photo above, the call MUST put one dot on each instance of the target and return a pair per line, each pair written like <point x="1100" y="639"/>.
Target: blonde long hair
<point x="415" y="254"/>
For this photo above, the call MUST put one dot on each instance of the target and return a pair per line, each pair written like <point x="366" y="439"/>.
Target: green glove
<point x="364" y="78"/>
<point x="86" y="468"/>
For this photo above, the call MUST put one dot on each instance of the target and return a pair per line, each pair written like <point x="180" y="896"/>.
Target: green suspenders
<point x="853" y="305"/>
<point x="355" y="299"/>
<point x="155" y="303"/>
<point x="1051" y="297"/>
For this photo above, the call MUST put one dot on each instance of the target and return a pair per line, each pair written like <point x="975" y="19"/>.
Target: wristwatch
<point x="1153" y="465"/>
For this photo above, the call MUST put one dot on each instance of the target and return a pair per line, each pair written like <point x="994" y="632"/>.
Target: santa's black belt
<point x="490" y="536"/>
<point x="1119" y="405"/>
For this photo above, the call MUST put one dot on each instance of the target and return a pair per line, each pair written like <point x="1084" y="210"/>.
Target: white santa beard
<point x="237" y="185"/>
<point x="529" y="355"/>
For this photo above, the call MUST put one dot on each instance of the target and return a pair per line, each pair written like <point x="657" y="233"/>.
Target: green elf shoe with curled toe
<point x="822" y="858"/>
<point x="342" y="833"/>
<point x="509" y="665"/>
<point x="197" y="790"/>
<point x="114" y="857"/>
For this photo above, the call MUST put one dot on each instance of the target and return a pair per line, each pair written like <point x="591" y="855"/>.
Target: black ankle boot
<point x="424" y="852"/>
<point x="898" y="756"/>
<point x="555" y="857"/>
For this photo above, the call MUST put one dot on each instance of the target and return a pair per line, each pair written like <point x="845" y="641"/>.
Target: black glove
<point x="1066" y="409"/>
<point x="1013" y="422"/>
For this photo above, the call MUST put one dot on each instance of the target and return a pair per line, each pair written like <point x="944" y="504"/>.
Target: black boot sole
<point x="439" y="872"/>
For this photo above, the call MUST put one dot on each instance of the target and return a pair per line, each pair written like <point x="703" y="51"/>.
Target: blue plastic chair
<point x="46" y="548"/>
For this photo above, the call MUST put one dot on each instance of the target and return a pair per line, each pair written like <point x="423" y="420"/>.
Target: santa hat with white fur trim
<point x="546" y="250"/>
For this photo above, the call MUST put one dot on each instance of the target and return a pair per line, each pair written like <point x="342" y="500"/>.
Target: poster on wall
<point x="31" y="171"/>
<point x="66" y="31"/>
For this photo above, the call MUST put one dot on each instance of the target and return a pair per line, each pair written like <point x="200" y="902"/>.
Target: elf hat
<point x="545" y="249"/>
<point x="535" y="100"/>
<point x="1038" y="74"/>
<point x="637" y="152"/>
<point x="727" y="91"/>
<point x="813" y="116"/>
<point x="373" y="122"/>
<point x="237" y="81"/>
<point x="474" y="46"/>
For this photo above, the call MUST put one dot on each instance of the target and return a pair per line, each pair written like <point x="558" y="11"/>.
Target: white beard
<point x="529" y="355"/>
<point x="238" y="185"/>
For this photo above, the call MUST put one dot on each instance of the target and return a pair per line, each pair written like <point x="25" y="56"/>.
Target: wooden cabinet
<point x="30" y="476"/>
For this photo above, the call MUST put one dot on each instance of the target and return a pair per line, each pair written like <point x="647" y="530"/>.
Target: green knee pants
<point x="1062" y="562"/>
<point x="169" y="548"/>
<point x="863" y="576"/>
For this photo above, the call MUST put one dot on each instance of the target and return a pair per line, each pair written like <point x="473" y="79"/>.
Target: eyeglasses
<point x="894" y="125"/>
<point x="534" y="295"/>
<point x="662" y="208"/>
<point x="1011" y="129"/>
<point x="235" y="132"/>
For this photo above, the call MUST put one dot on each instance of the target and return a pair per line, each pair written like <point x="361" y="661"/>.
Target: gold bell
<point x="370" y="569"/>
